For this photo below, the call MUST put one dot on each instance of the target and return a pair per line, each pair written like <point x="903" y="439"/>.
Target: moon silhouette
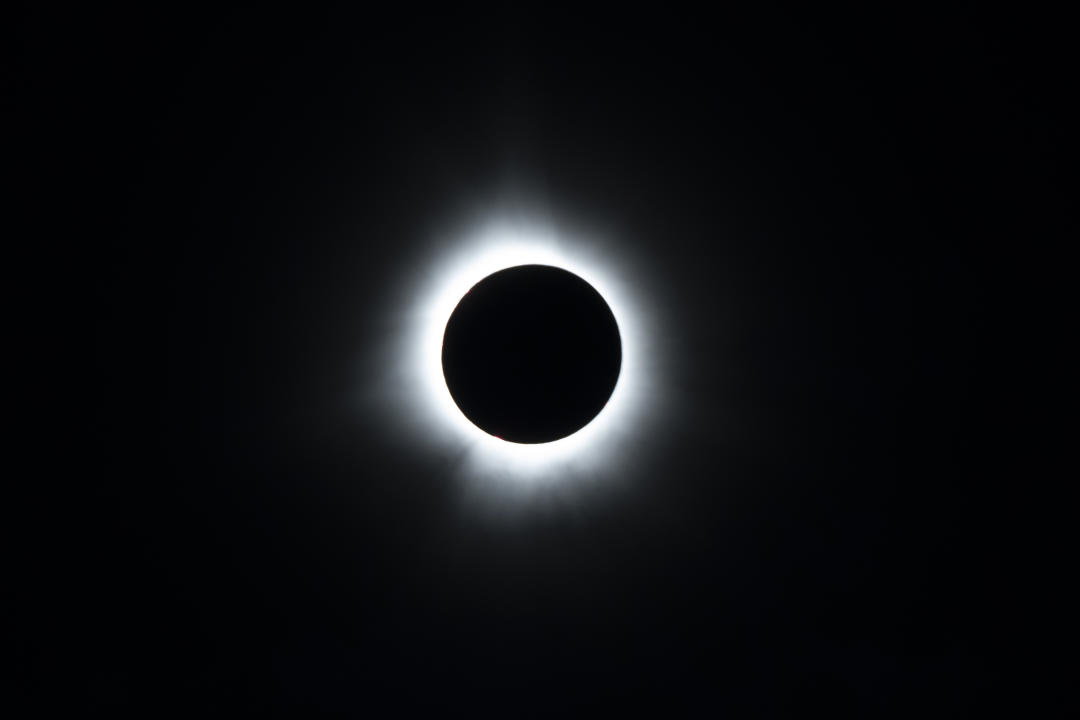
<point x="531" y="354"/>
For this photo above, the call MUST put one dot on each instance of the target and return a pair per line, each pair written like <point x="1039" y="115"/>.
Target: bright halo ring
<point x="599" y="447"/>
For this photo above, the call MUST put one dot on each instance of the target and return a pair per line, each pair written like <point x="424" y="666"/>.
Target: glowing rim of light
<point x="497" y="247"/>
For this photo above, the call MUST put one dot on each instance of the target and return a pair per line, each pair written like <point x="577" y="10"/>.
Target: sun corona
<point x="597" y="449"/>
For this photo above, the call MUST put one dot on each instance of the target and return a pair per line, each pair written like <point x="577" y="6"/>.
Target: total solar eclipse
<point x="531" y="354"/>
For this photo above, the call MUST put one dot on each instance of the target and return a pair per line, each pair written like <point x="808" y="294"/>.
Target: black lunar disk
<point x="531" y="354"/>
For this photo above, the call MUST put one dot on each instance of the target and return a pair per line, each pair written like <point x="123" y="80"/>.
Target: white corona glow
<point x="596" y="450"/>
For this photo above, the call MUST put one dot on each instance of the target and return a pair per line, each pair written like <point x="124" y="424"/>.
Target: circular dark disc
<point x="531" y="354"/>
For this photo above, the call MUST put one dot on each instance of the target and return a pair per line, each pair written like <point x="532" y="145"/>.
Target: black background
<point x="824" y="206"/>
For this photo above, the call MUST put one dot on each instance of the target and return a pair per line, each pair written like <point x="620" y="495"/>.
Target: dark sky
<point x="816" y="205"/>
